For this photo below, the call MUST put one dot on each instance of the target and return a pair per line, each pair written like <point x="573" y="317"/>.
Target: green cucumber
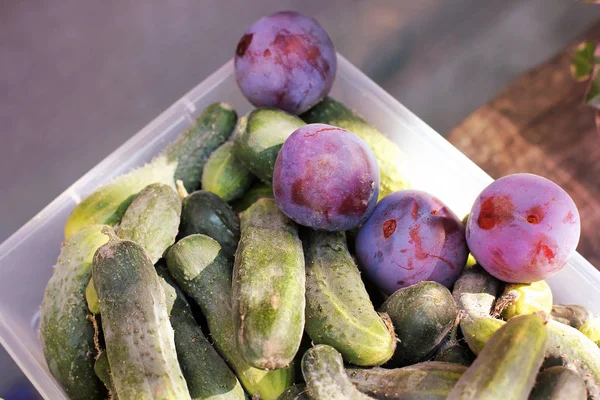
<point x="393" y="166"/>
<point x="430" y="380"/>
<point x="183" y="159"/>
<point x="102" y="370"/>
<point x="572" y="314"/>
<point x="206" y="213"/>
<point x="295" y="392"/>
<point x="507" y="366"/>
<point x="524" y="298"/>
<point x="66" y="330"/>
<point x="225" y="175"/>
<point x="206" y="373"/>
<point x="260" y="137"/>
<point x="91" y="298"/>
<point x="152" y="219"/>
<point x="323" y="370"/>
<point x="338" y="310"/>
<point x="268" y="287"/>
<point x="139" y="338"/>
<point x="422" y="315"/>
<point x="591" y="329"/>
<point x="204" y="273"/>
<point x="558" y="383"/>
<point x="258" y="191"/>
<point x="477" y="331"/>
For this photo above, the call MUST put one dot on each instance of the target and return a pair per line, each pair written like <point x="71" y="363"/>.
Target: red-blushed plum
<point x="523" y="228"/>
<point x="326" y="178"/>
<point x="411" y="237"/>
<point x="285" y="60"/>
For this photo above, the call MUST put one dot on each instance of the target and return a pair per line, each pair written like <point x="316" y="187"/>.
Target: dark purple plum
<point x="411" y="237"/>
<point x="523" y="228"/>
<point x="285" y="60"/>
<point x="326" y="178"/>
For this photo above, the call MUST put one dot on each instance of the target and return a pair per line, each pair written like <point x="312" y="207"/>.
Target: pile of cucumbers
<point x="183" y="280"/>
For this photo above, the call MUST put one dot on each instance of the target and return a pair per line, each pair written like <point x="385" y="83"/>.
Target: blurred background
<point x="79" y="78"/>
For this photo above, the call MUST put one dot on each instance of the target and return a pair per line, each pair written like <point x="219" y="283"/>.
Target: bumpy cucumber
<point x="258" y="191"/>
<point x="225" y="175"/>
<point x="206" y="213"/>
<point x="260" y="137"/>
<point x="507" y="366"/>
<point x="323" y="370"/>
<point x="422" y="315"/>
<point x="268" y="287"/>
<point x="295" y="392"/>
<point x="558" y="383"/>
<point x="91" y="298"/>
<point x="572" y="314"/>
<point x="66" y="331"/>
<point x="392" y="161"/>
<point x="102" y="370"/>
<point x="338" y="310"/>
<point x="591" y="329"/>
<point x="204" y="272"/>
<point x="206" y="373"/>
<point x="139" y="338"/>
<point x="152" y="219"/>
<point x="430" y="380"/>
<point x="524" y="298"/>
<point x="183" y="159"/>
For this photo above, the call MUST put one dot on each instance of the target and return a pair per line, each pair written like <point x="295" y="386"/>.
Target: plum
<point x="523" y="228"/>
<point x="411" y="237"/>
<point x="285" y="60"/>
<point x="326" y="178"/>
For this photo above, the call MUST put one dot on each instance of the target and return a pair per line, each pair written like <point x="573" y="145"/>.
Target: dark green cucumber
<point x="323" y="370"/>
<point x="183" y="159"/>
<point x="268" y="287"/>
<point x="206" y="213"/>
<point x="295" y="392"/>
<point x="338" y="310"/>
<point x="453" y="350"/>
<point x="430" y="380"/>
<point x="573" y="314"/>
<point x="258" y="191"/>
<point x="507" y="366"/>
<point x="225" y="175"/>
<point x="558" y="383"/>
<point x="152" y="219"/>
<point x="206" y="373"/>
<point x="102" y="370"/>
<point x="139" y="338"/>
<point x="260" y="137"/>
<point x="393" y="166"/>
<point x="91" y="298"/>
<point x="204" y="273"/>
<point x="66" y="330"/>
<point x="591" y="329"/>
<point x="422" y="315"/>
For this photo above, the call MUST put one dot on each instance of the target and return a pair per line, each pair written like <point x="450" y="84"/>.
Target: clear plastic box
<point x="27" y="257"/>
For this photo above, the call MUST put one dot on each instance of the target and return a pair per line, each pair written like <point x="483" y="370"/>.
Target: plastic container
<point x="27" y="257"/>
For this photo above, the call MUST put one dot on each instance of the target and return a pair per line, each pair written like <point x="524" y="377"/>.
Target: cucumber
<point x="206" y="213"/>
<point x="524" y="298"/>
<point x="393" y="163"/>
<point x="258" y="191"/>
<point x="477" y="331"/>
<point x="183" y="159"/>
<point x="422" y="315"/>
<point x="558" y="383"/>
<point x="453" y="351"/>
<point x="206" y="373"/>
<point x="204" y="272"/>
<point x="591" y="329"/>
<point x="338" y="310"/>
<point x="268" y="287"/>
<point x="295" y="392"/>
<point x="225" y="175"/>
<point x="260" y="137"/>
<point x="152" y="219"/>
<point x="430" y="380"/>
<point x="66" y="330"/>
<point x="102" y="370"/>
<point x="323" y="370"/>
<point x="507" y="366"/>
<point x="91" y="298"/>
<point x="139" y="338"/>
<point x="573" y="314"/>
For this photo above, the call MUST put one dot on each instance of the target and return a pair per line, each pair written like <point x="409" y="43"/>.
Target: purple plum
<point x="326" y="178"/>
<point x="523" y="228"/>
<point x="285" y="60"/>
<point x="411" y="237"/>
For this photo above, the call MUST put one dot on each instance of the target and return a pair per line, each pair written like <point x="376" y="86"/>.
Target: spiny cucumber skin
<point x="183" y="159"/>
<point x="225" y="175"/>
<point x="152" y="219"/>
<point x="66" y="331"/>
<point x="326" y="379"/>
<point x="258" y="191"/>
<point x="204" y="273"/>
<point x="338" y="309"/>
<point x="507" y="366"/>
<point x="430" y="380"/>
<point x="268" y="287"/>
<point x="295" y="392"/>
<point x="102" y="370"/>
<point x="206" y="373"/>
<point x="558" y="383"/>
<point x="139" y="338"/>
